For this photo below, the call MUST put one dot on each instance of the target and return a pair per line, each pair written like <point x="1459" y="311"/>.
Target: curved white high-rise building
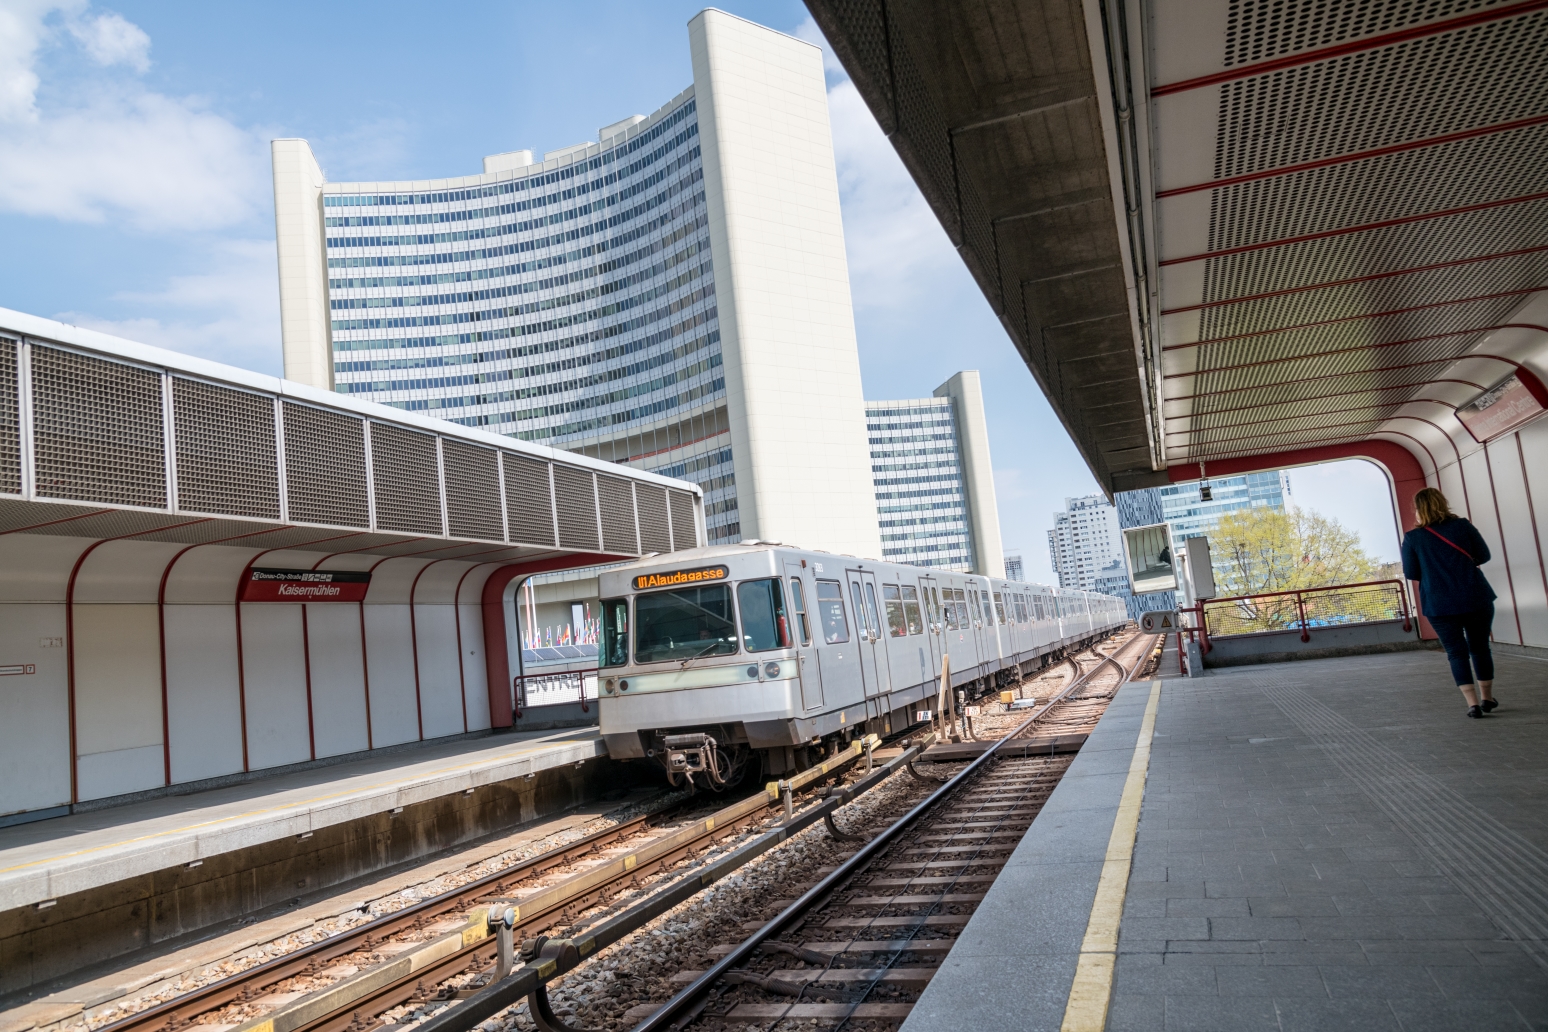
<point x="674" y="296"/>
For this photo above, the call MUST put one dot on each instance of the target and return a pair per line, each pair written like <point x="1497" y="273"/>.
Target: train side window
<point x="897" y="625"/>
<point x="999" y="605"/>
<point x="763" y="615"/>
<point x="933" y="602"/>
<point x="911" y="609"/>
<point x="983" y="597"/>
<point x="830" y="611"/>
<point x="615" y="632"/>
<point x="949" y="609"/>
<point x="798" y="603"/>
<point x="964" y="621"/>
<point x="872" y="618"/>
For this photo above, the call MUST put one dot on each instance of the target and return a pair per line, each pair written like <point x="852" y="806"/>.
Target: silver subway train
<point x="716" y="658"/>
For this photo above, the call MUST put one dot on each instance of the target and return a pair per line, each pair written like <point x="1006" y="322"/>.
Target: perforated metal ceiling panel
<point x="407" y="477"/>
<point x="10" y="421"/>
<point x="226" y="459"/>
<point x="529" y="500"/>
<point x="685" y="529"/>
<point x="97" y="430"/>
<point x="325" y="471"/>
<point x="617" y="501"/>
<point x="575" y="499"/>
<point x="655" y="532"/>
<point x="472" y="490"/>
<point x="1379" y="211"/>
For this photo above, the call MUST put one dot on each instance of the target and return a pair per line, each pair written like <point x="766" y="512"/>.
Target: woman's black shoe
<point x="1488" y="704"/>
<point x="1474" y="711"/>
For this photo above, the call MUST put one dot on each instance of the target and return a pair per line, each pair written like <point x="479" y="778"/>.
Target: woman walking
<point x="1443" y="554"/>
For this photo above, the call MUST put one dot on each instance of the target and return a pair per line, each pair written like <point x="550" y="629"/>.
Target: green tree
<point x="1262" y="550"/>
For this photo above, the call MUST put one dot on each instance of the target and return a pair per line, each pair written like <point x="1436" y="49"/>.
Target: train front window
<point x="763" y="615"/>
<point x="684" y="624"/>
<point x="830" y="612"/>
<point x="615" y="632"/>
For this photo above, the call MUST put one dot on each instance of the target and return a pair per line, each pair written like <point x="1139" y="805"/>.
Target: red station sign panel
<point x="305" y="586"/>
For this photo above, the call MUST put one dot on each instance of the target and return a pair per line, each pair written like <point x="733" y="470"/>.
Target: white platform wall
<point x="172" y="684"/>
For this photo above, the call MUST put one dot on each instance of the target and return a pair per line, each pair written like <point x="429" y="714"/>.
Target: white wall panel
<point x="475" y="675"/>
<point x="338" y="678"/>
<point x="277" y="729"/>
<point x="209" y="573"/>
<point x="36" y="566"/>
<point x="440" y="686"/>
<point x="1534" y="455"/>
<point x="117" y="697"/>
<point x="1510" y="491"/>
<point x="394" y="706"/>
<point x="34" y="708"/>
<point x="124" y="571"/>
<point x="204" y="708"/>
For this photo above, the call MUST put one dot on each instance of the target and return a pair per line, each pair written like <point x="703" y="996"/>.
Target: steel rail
<point x="683" y="1003"/>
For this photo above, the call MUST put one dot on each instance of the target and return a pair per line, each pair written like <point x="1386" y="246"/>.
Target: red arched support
<point x="497" y="656"/>
<point x="1401" y="465"/>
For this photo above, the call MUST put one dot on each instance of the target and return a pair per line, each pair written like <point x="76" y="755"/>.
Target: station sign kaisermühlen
<point x="1161" y="621"/>
<point x="267" y="585"/>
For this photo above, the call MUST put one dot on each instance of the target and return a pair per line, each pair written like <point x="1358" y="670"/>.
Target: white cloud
<point x="228" y="313"/>
<point x="126" y="152"/>
<point x="111" y="39"/>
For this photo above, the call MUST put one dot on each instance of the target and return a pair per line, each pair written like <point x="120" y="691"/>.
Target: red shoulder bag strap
<point x="1453" y="544"/>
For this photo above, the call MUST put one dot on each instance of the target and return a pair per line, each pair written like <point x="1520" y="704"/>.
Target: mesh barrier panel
<point x="618" y="533"/>
<point x="472" y="490"/>
<point x="10" y="421"/>
<point x="325" y="474"/>
<point x="226" y="461"/>
<point x="407" y="480"/>
<point x="655" y="534"/>
<point x="1321" y="607"/>
<point x="685" y="532"/>
<point x="529" y="500"/>
<point x="577" y="504"/>
<point x="97" y="430"/>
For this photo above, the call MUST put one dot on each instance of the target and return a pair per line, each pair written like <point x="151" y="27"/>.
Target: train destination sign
<point x="1507" y="405"/>
<point x="678" y="578"/>
<point x="305" y="586"/>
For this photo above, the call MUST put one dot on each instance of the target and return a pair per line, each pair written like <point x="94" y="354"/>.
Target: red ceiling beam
<point x="1328" y="284"/>
<point x="1344" y="159"/>
<point x="1438" y="27"/>
<point x="1304" y="415"/>
<point x="1355" y="318"/>
<point x="1326" y="376"/>
<point x="1264" y="406"/>
<point x="1363" y="228"/>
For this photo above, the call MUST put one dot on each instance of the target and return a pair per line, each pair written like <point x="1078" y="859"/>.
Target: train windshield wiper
<point x="712" y="645"/>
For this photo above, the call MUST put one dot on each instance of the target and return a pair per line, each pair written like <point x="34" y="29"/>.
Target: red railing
<point x="1335" y="605"/>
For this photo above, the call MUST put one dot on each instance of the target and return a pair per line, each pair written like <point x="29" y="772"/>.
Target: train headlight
<point x="752" y="671"/>
<point x="609" y="685"/>
<point x="771" y="669"/>
<point x="623" y="686"/>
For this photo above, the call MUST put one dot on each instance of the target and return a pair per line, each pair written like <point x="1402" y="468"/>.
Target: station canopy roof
<point x="1236" y="232"/>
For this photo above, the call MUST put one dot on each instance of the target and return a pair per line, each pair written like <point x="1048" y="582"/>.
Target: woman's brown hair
<point x="1431" y="507"/>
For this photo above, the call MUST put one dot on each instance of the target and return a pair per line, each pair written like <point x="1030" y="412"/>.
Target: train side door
<point x="930" y="650"/>
<point x="801" y="618"/>
<point x="868" y="623"/>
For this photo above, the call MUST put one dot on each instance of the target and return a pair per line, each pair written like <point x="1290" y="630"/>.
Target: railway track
<point x="445" y="950"/>
<point x="863" y="942"/>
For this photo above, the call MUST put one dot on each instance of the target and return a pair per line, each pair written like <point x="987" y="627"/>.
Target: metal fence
<point x="1306" y="609"/>
<point x="557" y="688"/>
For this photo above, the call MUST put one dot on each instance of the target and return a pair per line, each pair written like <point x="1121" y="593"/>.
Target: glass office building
<point x="615" y="297"/>
<point x="935" y="501"/>
<point x="1190" y="515"/>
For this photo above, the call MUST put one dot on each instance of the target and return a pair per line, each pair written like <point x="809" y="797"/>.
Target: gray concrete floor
<point x="1327" y="844"/>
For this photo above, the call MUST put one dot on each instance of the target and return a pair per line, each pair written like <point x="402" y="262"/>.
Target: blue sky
<point x="135" y="194"/>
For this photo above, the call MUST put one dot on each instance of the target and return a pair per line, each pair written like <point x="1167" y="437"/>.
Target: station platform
<point x="1325" y="844"/>
<point x="89" y="886"/>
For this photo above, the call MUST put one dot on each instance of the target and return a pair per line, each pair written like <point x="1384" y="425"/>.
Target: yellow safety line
<point x="1086" y="1010"/>
<point x="513" y="753"/>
